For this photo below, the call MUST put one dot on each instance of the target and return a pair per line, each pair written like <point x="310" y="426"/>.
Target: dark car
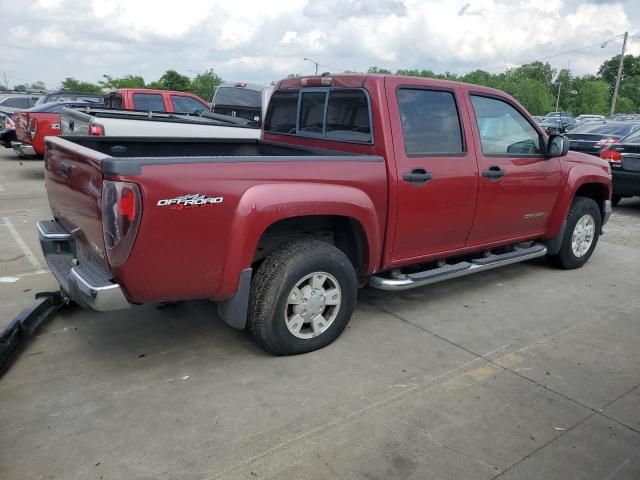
<point x="557" y="124"/>
<point x="69" y="97"/>
<point x="624" y="158"/>
<point x="594" y="136"/>
<point x="7" y="129"/>
<point x="15" y="101"/>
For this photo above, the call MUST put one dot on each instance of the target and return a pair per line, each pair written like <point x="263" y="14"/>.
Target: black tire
<point x="566" y="258"/>
<point x="281" y="271"/>
<point x="615" y="199"/>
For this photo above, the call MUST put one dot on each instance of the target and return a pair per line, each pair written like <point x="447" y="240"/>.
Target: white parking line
<point x="1" y="188"/>
<point x="23" y="246"/>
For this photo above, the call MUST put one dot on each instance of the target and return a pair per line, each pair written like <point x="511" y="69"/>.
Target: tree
<point x="71" y="84"/>
<point x="203" y="84"/>
<point x="378" y="70"/>
<point x="625" y="105"/>
<point x="172" y="80"/>
<point x="39" y="85"/>
<point x="20" y="88"/>
<point x="592" y="97"/>
<point x="609" y="69"/>
<point x="543" y="72"/>
<point x="534" y="95"/>
<point x="128" y="81"/>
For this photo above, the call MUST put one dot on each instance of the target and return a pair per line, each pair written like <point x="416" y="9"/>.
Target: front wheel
<point x="581" y="235"/>
<point x="302" y="297"/>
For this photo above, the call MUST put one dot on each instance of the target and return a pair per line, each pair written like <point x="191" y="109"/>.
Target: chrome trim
<point x="22" y="148"/>
<point x="102" y="299"/>
<point x="51" y="236"/>
<point x="408" y="282"/>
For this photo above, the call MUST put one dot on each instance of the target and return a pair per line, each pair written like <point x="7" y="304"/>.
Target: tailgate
<point x="73" y="179"/>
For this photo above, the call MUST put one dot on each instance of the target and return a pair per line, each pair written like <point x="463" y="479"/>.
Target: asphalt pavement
<point x="524" y="372"/>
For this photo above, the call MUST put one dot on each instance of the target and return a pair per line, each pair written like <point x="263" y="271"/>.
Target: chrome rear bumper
<point x="89" y="284"/>
<point x="23" y="149"/>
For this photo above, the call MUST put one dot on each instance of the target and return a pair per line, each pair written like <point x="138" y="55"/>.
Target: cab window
<point x="503" y="129"/>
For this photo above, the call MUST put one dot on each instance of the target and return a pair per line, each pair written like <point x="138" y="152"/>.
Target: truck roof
<point x="358" y="80"/>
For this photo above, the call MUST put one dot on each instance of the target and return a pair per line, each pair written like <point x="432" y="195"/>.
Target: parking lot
<point x="520" y="372"/>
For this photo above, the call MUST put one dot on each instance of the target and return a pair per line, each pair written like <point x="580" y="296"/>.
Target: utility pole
<point x="558" y="99"/>
<point x="6" y="84"/>
<point x="615" y="90"/>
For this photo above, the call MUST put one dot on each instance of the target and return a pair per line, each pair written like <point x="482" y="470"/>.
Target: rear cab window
<point x="339" y="114"/>
<point x="152" y="102"/>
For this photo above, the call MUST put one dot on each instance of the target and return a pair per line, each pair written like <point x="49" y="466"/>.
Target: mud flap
<point x="234" y="310"/>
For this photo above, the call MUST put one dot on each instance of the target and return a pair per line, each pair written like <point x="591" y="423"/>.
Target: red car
<point x="155" y="100"/>
<point x="395" y="181"/>
<point x="34" y="124"/>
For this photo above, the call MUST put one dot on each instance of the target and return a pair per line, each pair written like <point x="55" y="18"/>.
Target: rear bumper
<point x="89" y="284"/>
<point x="626" y="183"/>
<point x="23" y="149"/>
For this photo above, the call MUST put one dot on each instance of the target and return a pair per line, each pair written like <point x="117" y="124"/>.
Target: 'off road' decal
<point x="190" y="201"/>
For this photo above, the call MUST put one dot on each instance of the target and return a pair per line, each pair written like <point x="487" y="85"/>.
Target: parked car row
<point x="237" y="113"/>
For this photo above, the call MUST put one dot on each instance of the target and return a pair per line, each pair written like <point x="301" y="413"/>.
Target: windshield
<point x="236" y="96"/>
<point x="633" y="138"/>
<point x="616" y="129"/>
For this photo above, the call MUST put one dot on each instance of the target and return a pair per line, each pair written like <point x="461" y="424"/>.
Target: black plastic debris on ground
<point x="14" y="337"/>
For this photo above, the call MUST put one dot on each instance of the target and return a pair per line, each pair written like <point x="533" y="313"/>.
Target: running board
<point x="447" y="272"/>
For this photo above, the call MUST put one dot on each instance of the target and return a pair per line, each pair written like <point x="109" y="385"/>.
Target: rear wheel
<point x="302" y="297"/>
<point x="581" y="234"/>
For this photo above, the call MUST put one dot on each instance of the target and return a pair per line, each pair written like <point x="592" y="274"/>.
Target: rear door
<point x="518" y="185"/>
<point x="437" y="172"/>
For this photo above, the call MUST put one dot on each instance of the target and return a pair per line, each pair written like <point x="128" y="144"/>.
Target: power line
<point x="600" y="43"/>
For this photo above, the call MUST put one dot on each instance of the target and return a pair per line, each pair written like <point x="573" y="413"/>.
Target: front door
<point x="437" y="176"/>
<point x="518" y="185"/>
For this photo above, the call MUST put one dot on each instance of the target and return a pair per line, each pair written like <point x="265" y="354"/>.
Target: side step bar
<point x="446" y="272"/>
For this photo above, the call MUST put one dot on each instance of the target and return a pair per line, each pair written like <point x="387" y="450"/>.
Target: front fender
<point x="576" y="177"/>
<point x="262" y="205"/>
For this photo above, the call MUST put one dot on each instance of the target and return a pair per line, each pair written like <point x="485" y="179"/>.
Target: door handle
<point x="417" y="176"/>
<point x="494" y="172"/>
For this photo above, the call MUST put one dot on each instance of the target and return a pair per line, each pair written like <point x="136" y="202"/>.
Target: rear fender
<point x="263" y="205"/>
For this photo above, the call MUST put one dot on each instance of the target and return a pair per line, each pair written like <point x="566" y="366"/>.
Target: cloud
<point x="264" y="41"/>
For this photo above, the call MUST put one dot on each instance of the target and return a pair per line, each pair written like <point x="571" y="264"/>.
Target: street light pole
<point x="558" y="99"/>
<point x="312" y="61"/>
<point x="615" y="90"/>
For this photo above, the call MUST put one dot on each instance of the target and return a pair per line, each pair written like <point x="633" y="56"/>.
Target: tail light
<point x="605" y="142"/>
<point x="96" y="130"/>
<point x="32" y="126"/>
<point x="612" y="156"/>
<point x="121" y="214"/>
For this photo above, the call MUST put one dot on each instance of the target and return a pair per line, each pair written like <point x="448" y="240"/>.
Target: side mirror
<point x="557" y="146"/>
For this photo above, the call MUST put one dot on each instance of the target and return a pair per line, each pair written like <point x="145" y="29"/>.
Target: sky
<point x="262" y="41"/>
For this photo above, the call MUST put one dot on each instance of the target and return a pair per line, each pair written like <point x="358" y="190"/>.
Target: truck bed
<point x="126" y="155"/>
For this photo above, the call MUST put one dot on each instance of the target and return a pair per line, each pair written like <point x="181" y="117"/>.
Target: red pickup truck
<point x="155" y="100"/>
<point x="395" y="181"/>
<point x="34" y="124"/>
